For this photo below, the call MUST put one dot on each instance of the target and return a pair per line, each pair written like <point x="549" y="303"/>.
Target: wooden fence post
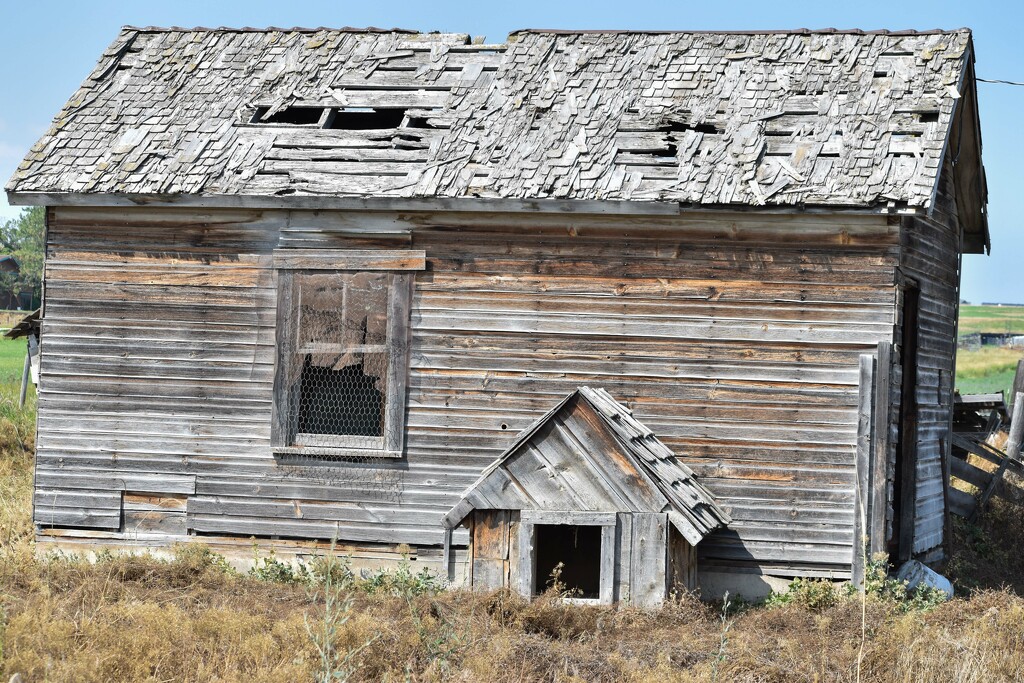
<point x="1018" y="382"/>
<point x="1013" y="443"/>
<point x="1012" y="452"/>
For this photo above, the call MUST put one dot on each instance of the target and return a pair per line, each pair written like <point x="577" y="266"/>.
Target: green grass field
<point x="12" y="360"/>
<point x="989" y="369"/>
<point x="991" y="319"/>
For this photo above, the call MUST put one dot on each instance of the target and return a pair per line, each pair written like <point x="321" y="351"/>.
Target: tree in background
<point x="22" y="238"/>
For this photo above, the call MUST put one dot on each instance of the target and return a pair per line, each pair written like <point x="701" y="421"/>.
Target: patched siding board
<point x="490" y="549"/>
<point x="92" y="509"/>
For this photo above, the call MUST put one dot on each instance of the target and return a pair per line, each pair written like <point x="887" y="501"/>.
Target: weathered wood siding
<point x="735" y="337"/>
<point x="929" y="255"/>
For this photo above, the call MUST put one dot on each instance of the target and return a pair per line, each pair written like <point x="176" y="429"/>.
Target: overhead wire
<point x="999" y="81"/>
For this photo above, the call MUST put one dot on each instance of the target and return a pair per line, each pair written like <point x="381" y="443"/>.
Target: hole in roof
<point x="928" y="117"/>
<point x="680" y="127"/>
<point x="365" y="119"/>
<point x="296" y="116"/>
<point x="669" y="151"/>
<point x="420" y="122"/>
<point x="881" y="74"/>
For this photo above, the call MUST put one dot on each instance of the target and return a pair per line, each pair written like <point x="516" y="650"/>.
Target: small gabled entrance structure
<point x="591" y="494"/>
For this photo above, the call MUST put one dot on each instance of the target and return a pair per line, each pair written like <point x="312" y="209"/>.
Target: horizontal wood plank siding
<point x="929" y="256"/>
<point x="734" y="337"/>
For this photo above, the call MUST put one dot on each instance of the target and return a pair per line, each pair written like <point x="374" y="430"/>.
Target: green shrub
<point x="401" y="582"/>
<point x="273" y="570"/>
<point x="812" y="594"/>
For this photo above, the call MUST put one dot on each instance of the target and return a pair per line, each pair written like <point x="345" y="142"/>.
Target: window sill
<point x="325" y="452"/>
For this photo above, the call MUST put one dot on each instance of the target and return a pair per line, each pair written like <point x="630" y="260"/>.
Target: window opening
<point x="320" y="413"/>
<point x="338" y="364"/>
<point x="578" y="549"/>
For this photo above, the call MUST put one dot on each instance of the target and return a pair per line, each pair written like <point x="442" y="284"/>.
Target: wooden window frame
<point x="528" y="522"/>
<point x="401" y="266"/>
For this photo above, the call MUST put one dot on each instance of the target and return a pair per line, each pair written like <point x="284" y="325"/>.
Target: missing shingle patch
<point x="296" y="116"/>
<point x="365" y="118"/>
<point x="682" y="127"/>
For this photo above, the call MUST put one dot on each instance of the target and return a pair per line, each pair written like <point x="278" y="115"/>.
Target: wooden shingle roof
<point x="589" y="454"/>
<point x="835" y="119"/>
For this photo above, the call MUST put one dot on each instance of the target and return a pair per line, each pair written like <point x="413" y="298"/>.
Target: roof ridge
<point x="550" y="31"/>
<point x="292" y="29"/>
<point x="795" y="31"/>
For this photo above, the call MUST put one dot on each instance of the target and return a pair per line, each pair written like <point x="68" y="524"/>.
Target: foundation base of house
<point x="243" y="553"/>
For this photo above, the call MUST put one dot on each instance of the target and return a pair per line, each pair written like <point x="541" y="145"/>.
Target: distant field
<point x="989" y="369"/>
<point x="991" y="319"/>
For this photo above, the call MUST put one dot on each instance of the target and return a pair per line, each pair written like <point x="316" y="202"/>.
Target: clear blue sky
<point x="48" y="47"/>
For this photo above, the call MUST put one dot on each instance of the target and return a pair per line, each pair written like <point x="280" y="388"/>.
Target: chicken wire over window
<point x="342" y="349"/>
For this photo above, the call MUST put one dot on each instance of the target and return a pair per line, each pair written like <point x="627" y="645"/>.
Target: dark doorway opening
<point x="578" y="549"/>
<point x="904" y="494"/>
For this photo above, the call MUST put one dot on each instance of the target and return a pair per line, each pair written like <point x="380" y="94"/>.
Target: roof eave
<point x="454" y="204"/>
<point x="977" y="241"/>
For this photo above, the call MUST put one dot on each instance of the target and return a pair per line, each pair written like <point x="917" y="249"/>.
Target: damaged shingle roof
<point x="829" y="118"/>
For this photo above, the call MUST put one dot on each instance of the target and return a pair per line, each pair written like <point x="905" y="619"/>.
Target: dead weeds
<point x="192" y="618"/>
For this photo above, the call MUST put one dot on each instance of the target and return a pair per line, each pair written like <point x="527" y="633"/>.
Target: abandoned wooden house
<point x="663" y="307"/>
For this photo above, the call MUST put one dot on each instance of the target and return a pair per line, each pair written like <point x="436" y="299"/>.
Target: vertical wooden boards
<point x="398" y="360"/>
<point x="446" y="556"/>
<point x="607" y="570"/>
<point x="682" y="562"/>
<point x="649" y="559"/>
<point x="490" y="549"/>
<point x="623" y="557"/>
<point x="1018" y="381"/>
<point x="280" y="425"/>
<point x="862" y="491"/>
<point x="527" y="559"/>
<point x="880" y="449"/>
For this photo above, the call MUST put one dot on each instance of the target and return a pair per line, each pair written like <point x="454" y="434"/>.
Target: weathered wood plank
<point x="648" y="560"/>
<point x="865" y="413"/>
<point x="880" y="447"/>
<point x="354" y="259"/>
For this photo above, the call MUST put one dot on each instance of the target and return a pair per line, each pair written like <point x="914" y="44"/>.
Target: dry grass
<point x="987" y="370"/>
<point x="191" y="619"/>
<point x="987" y="360"/>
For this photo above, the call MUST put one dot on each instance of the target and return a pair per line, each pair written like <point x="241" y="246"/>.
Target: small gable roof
<point x="589" y="454"/>
<point x="842" y="119"/>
